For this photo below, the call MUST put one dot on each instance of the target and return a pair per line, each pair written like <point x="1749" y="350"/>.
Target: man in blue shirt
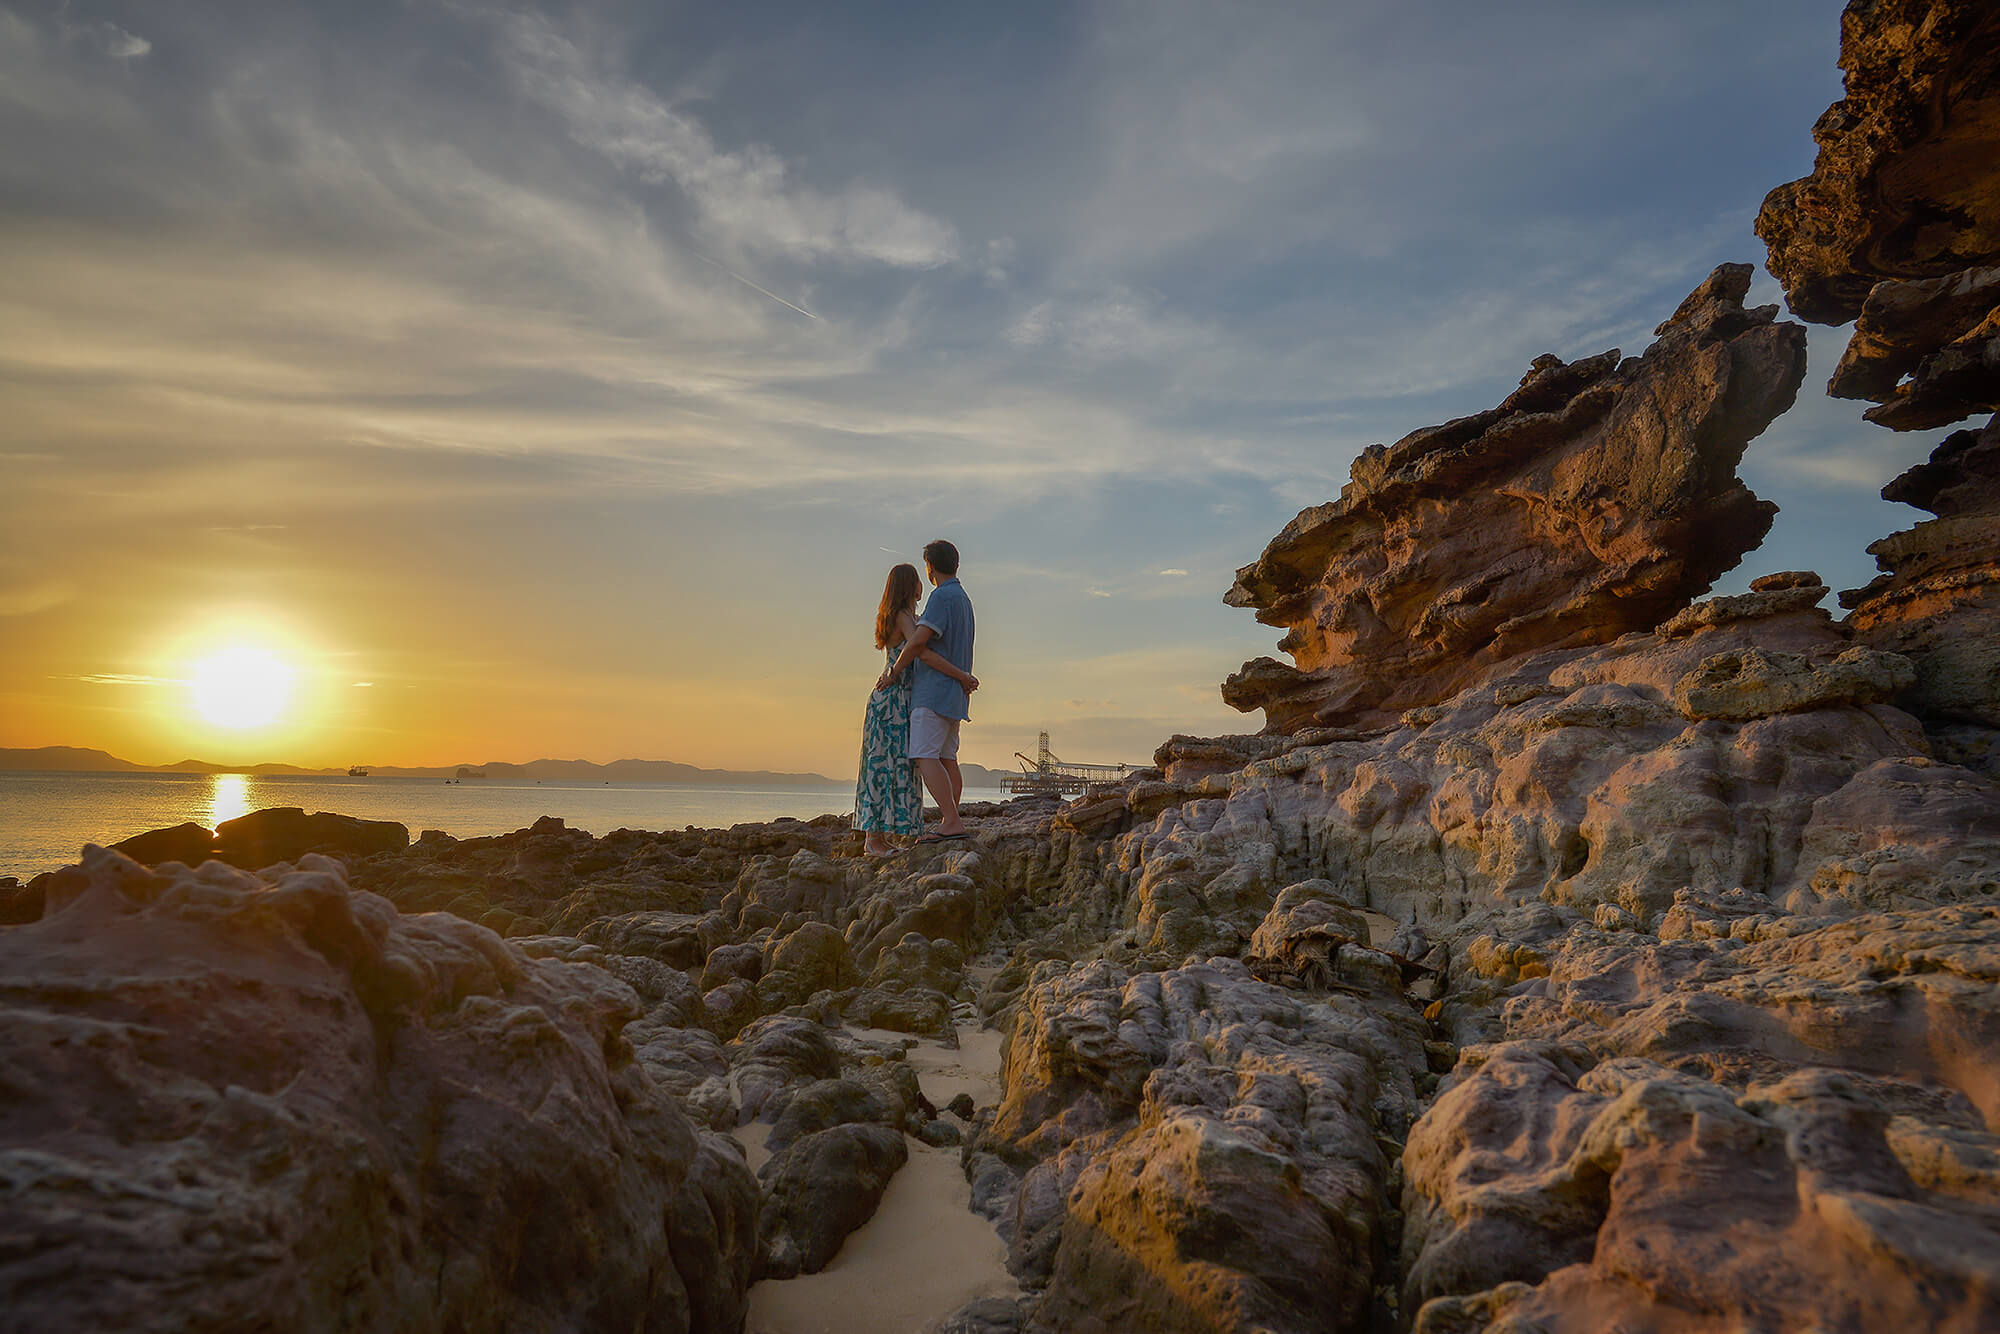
<point x="938" y="704"/>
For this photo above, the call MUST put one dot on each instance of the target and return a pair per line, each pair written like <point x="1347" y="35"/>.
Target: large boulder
<point x="1598" y="499"/>
<point x="1199" y="1149"/>
<point x="188" y="843"/>
<point x="820" y="1189"/>
<point x="241" y="1104"/>
<point x="287" y="833"/>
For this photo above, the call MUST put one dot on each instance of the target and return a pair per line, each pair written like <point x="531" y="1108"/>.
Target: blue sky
<point x="571" y="372"/>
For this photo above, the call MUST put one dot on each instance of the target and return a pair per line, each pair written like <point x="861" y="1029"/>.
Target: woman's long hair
<point x="899" y="594"/>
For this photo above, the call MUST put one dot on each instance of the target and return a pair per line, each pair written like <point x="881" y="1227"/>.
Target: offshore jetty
<point x="1570" y="950"/>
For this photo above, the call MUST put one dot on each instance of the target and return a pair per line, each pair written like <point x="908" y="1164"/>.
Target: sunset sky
<point x="561" y="381"/>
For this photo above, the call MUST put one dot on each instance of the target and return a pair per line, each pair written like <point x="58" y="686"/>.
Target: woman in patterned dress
<point x="888" y="799"/>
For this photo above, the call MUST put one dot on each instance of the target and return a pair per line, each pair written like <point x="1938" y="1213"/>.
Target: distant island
<point x="73" y="759"/>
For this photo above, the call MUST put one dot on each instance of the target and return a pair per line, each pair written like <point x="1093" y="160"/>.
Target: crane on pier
<point x="1047" y="775"/>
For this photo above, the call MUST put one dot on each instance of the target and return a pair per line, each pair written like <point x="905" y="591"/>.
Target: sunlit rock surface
<point x="1904" y="186"/>
<point x="1598" y="499"/>
<point x="1568" y="955"/>
<point x="1898" y="230"/>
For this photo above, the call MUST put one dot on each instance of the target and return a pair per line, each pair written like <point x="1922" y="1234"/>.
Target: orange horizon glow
<point x="247" y="683"/>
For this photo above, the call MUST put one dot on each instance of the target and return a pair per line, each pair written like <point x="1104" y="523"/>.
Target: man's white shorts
<point x="932" y="735"/>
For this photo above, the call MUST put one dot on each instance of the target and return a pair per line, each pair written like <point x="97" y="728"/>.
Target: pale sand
<point x="752" y="1138"/>
<point x="1380" y="928"/>
<point x="925" y="1253"/>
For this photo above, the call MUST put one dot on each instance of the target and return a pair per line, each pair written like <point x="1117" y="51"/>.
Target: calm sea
<point x="46" y="818"/>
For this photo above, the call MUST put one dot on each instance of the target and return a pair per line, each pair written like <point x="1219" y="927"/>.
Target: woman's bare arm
<point x="916" y="646"/>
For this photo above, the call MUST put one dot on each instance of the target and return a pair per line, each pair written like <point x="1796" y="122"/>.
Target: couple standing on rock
<point x="911" y="727"/>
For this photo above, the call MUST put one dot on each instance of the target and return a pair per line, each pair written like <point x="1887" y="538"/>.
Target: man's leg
<point x="957" y="780"/>
<point x="938" y="780"/>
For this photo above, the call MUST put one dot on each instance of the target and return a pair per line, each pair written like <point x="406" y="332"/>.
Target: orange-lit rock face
<point x="1599" y="499"/>
<point x="1904" y="186"/>
<point x="1898" y="229"/>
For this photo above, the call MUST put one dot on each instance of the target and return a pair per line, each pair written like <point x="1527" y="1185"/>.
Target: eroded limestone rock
<point x="1898" y="228"/>
<point x="1201" y="1148"/>
<point x="1904" y="186"/>
<point x="1598" y="499"/>
<point x="236" y="1103"/>
<point x="1938" y="601"/>
<point x="1758" y="1118"/>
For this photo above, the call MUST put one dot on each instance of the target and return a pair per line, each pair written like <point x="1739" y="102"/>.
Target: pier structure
<point x="1047" y="774"/>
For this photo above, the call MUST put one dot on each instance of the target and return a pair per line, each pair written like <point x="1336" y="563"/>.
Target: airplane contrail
<point x="752" y="286"/>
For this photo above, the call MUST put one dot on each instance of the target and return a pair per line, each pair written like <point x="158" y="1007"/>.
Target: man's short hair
<point x="941" y="556"/>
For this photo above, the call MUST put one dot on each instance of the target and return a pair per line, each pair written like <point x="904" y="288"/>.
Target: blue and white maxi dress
<point x="887" y="796"/>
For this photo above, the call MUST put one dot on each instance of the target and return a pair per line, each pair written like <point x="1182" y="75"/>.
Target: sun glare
<point x="242" y="687"/>
<point x="228" y="798"/>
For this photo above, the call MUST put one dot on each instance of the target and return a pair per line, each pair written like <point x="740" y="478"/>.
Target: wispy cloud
<point x="37" y="595"/>
<point x="106" y="38"/>
<point x="122" y="679"/>
<point x="748" y="197"/>
<point x="650" y="303"/>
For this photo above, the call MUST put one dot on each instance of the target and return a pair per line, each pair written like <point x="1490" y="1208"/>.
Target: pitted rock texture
<point x="1898" y="228"/>
<point x="1617" y="775"/>
<point x="1710" y="877"/>
<point x="1927" y="352"/>
<point x="1218" y="1050"/>
<point x="1938" y="601"/>
<point x="1200" y="1149"/>
<point x="1904" y="186"/>
<point x="247" y="1103"/>
<point x="1750" y="1121"/>
<point x="1598" y="499"/>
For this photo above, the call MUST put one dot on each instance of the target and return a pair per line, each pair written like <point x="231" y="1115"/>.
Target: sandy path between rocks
<point x="925" y="1253"/>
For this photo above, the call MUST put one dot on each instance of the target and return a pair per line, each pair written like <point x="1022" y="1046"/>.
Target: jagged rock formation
<point x="1684" y="1133"/>
<point x="242" y="1102"/>
<point x="1598" y="499"/>
<point x="1464" y="1022"/>
<point x="1939" y="602"/>
<point x="1615" y="963"/>
<point x="1898" y="229"/>
<point x="1904" y="184"/>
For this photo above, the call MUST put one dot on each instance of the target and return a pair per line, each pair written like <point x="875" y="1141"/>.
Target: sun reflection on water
<point x="229" y="798"/>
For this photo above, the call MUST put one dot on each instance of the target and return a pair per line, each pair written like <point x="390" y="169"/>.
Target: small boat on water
<point x="357" y="772"/>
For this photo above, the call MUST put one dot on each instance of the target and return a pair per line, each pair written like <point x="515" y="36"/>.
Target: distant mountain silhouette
<point x="72" y="759"/>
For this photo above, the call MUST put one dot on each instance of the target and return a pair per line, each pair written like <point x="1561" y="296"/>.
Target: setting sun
<point x="242" y="687"/>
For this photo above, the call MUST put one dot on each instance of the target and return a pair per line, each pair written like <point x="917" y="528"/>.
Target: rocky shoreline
<point x="1568" y="952"/>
